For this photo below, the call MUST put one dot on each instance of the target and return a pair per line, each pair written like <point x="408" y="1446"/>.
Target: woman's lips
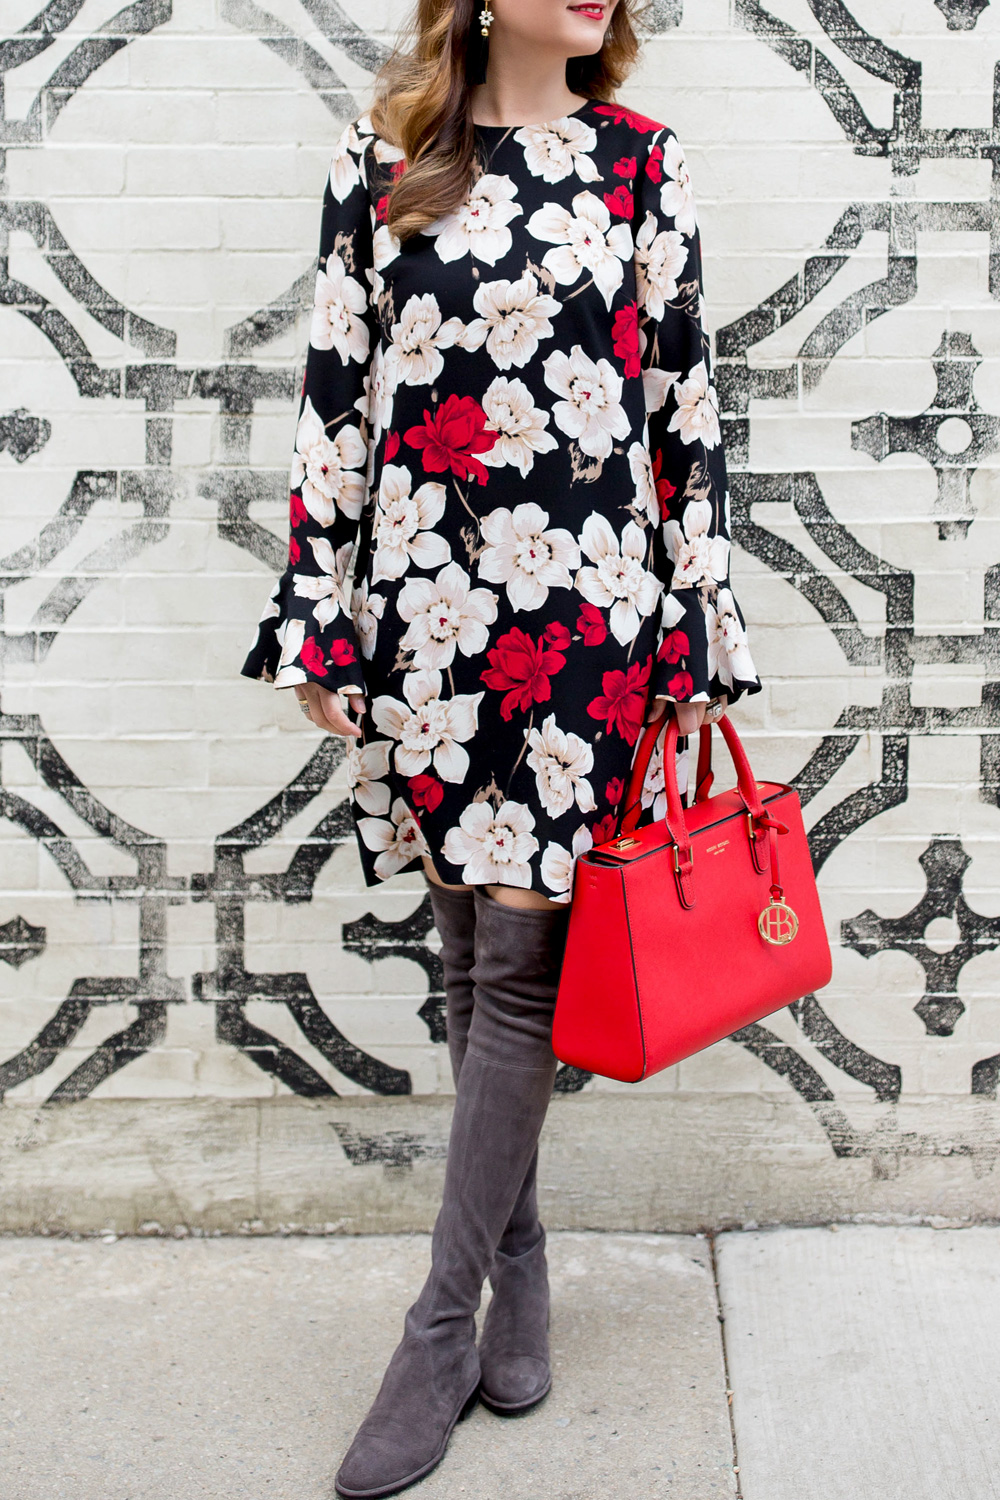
<point x="595" y="12"/>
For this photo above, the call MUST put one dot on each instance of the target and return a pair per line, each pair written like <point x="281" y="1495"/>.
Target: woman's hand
<point x="690" y="716"/>
<point x="326" y="709"/>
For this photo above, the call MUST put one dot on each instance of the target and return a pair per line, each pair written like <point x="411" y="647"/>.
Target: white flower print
<point x="367" y="765"/>
<point x="344" y="172"/>
<point x="728" y="652"/>
<point x="429" y="727"/>
<point x="697" y="414"/>
<point x="557" y="862"/>
<point x="642" y="477"/>
<point x="403" y="523"/>
<point x="414" y="356"/>
<point x="479" y="226"/>
<point x="560" y="761"/>
<point x="493" y="848"/>
<point x="554" y="151"/>
<point x="386" y="154"/>
<point x="589" y="408"/>
<point x="659" y="260"/>
<point x="338" y="320"/>
<point x="444" y="615"/>
<point x="525" y="556"/>
<point x="620" y="580"/>
<point x="290" y="636"/>
<point x="672" y="612"/>
<point x="698" y="558"/>
<point x="398" y="842"/>
<point x="385" y="248"/>
<point x="376" y="399"/>
<point x="327" y="588"/>
<point x="513" y="316"/>
<point x="521" y="424"/>
<point x="676" y="197"/>
<point x="366" y="611"/>
<point x="656" y="384"/>
<point x="585" y="241"/>
<point x="325" y="468"/>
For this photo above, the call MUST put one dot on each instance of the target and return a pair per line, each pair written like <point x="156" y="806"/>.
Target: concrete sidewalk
<point x="864" y="1365"/>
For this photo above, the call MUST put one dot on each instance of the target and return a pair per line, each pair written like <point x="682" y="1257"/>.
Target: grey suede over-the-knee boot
<point x="514" y="1348"/>
<point x="455" y="920"/>
<point x="503" y="1092"/>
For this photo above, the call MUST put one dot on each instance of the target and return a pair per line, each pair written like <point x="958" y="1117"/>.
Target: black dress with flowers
<point x="509" y="520"/>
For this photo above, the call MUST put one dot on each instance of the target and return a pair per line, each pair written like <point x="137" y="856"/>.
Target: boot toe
<point x="370" y="1465"/>
<point x="518" y="1383"/>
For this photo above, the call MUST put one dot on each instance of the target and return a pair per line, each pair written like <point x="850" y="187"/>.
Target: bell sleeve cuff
<point x="703" y="650"/>
<point x="294" y="646"/>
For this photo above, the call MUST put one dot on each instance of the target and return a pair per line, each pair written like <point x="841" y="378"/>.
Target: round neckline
<point x="540" y="124"/>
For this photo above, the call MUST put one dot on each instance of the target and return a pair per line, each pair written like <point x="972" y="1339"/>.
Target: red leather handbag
<point x="692" y="926"/>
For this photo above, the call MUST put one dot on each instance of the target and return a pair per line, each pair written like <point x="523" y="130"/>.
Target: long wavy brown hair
<point x="423" y="102"/>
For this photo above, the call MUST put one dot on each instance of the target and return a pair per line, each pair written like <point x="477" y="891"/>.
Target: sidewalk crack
<point x="710" y="1236"/>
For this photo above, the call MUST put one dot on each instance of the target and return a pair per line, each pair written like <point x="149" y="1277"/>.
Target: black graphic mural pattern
<point x="953" y="435"/>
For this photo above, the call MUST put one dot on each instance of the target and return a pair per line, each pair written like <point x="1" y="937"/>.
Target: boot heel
<point x="469" y="1406"/>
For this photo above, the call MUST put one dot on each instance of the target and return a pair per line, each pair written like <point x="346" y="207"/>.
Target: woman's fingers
<point x="690" y="717"/>
<point x="327" y="712"/>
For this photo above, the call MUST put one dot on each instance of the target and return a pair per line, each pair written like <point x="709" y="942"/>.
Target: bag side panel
<point x="597" y="1025"/>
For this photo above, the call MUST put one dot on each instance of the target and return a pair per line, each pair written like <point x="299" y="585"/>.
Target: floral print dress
<point x="509" y="518"/>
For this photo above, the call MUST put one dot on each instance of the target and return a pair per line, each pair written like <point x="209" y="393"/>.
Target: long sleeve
<point x="306" y="632"/>
<point x="703" y="648"/>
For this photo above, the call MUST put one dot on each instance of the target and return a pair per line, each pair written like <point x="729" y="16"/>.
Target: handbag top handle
<point x="745" y="781"/>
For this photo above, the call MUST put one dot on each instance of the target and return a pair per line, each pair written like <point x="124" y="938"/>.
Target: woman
<point x="508" y="410"/>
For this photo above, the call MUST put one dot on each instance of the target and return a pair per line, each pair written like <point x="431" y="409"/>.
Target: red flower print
<point x="619" y="202"/>
<point x="382" y="208"/>
<point x="619" y="113"/>
<point x="623" y="701"/>
<point x="311" y="656"/>
<point x="557" y="636"/>
<point x="342" y="653"/>
<point x="674" y="647"/>
<point x="625" y="332"/>
<point x="665" y="491"/>
<point x="523" y="668"/>
<point x="391" y="446"/>
<point x="604" y="830"/>
<point x="294" y="551"/>
<point x="397" y="169"/>
<point x="625" y="167"/>
<point x="681" y="686"/>
<point x="614" y="789"/>
<point x="451" y="436"/>
<point x="591" y="622"/>
<point x="654" y="164"/>
<point x="425" y="791"/>
<point x="297" y="512"/>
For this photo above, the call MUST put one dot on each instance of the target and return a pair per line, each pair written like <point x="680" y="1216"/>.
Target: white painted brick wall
<point x="179" y="183"/>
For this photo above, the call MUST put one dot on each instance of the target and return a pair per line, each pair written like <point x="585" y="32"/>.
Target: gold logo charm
<point x="777" y="923"/>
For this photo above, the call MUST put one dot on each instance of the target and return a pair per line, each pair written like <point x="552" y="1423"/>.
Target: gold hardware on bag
<point x="625" y="843"/>
<point x="677" y="859"/>
<point x="777" y="923"/>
